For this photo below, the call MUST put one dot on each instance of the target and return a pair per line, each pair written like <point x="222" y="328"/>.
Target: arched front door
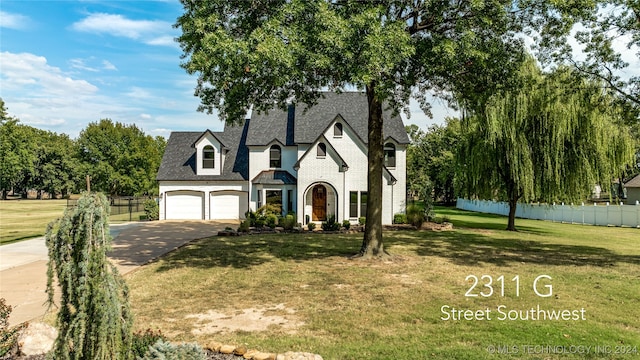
<point x="319" y="203"/>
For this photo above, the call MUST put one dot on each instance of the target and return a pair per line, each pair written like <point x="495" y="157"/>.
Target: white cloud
<point x="107" y="65"/>
<point x="145" y="116"/>
<point x="139" y="93"/>
<point x="149" y="31"/>
<point x="165" y="40"/>
<point x="28" y="69"/>
<point x="13" y="21"/>
<point x="80" y="64"/>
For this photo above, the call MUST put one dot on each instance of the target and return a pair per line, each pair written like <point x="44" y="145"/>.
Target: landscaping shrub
<point x="271" y="220"/>
<point x="330" y="224"/>
<point x="251" y="217"/>
<point x="362" y="220"/>
<point x="400" y="218"/>
<point x="289" y="221"/>
<point x="311" y="226"/>
<point x="142" y="341"/>
<point x="415" y="215"/>
<point x="162" y="350"/>
<point x="244" y="225"/>
<point x="94" y="321"/>
<point x="346" y="224"/>
<point x="8" y="336"/>
<point x="151" y="209"/>
<point x="268" y="209"/>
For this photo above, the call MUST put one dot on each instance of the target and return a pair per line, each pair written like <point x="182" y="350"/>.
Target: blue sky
<point x="65" y="64"/>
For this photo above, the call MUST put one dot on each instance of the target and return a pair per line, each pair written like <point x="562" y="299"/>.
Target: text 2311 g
<point x="487" y="286"/>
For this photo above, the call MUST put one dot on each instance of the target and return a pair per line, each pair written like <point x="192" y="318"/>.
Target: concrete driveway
<point x="23" y="265"/>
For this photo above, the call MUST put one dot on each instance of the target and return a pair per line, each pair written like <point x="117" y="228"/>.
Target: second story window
<point x="389" y="155"/>
<point x="322" y="150"/>
<point x="337" y="130"/>
<point x="208" y="157"/>
<point x="275" y="157"/>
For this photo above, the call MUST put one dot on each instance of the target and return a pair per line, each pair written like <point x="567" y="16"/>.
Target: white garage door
<point x="228" y="205"/>
<point x="184" y="205"/>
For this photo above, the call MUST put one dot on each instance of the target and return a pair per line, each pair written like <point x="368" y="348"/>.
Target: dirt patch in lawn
<point x="251" y="319"/>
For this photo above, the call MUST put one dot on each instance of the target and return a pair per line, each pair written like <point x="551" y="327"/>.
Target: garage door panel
<point x="228" y="205"/>
<point x="184" y="205"/>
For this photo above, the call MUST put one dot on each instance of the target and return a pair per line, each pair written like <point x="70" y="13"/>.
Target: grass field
<point x="310" y="297"/>
<point x="26" y="219"/>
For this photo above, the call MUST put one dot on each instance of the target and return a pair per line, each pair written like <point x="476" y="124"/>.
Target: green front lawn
<point x="348" y="309"/>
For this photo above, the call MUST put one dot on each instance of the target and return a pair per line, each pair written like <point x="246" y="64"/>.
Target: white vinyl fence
<point x="602" y="214"/>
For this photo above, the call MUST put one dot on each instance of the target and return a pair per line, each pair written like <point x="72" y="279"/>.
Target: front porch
<point x="320" y="201"/>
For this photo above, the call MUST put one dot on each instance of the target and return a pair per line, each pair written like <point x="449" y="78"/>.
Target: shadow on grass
<point x="462" y="248"/>
<point x="474" y="249"/>
<point x="253" y="250"/>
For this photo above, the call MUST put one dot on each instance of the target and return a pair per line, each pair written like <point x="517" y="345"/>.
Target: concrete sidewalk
<point x="23" y="265"/>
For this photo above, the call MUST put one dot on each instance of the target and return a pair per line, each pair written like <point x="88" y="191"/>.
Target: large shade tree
<point x="265" y="52"/>
<point x="550" y="140"/>
<point x="16" y="152"/>
<point x="120" y="159"/>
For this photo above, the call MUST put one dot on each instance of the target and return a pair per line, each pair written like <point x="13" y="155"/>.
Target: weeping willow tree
<point x="94" y="320"/>
<point x="551" y="139"/>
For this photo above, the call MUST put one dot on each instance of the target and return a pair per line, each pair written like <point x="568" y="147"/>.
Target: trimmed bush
<point x="244" y="226"/>
<point x="142" y="341"/>
<point x="346" y="224"/>
<point x="162" y="350"/>
<point x="151" y="209"/>
<point x="415" y="215"/>
<point x="289" y="221"/>
<point x="330" y="224"/>
<point x="362" y="220"/>
<point x="400" y="219"/>
<point x="311" y="226"/>
<point x="271" y="220"/>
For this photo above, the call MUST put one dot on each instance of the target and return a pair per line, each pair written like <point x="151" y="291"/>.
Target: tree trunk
<point x="513" y="204"/>
<point x="372" y="245"/>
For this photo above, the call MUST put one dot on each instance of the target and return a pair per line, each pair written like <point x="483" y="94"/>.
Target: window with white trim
<point x="208" y="157"/>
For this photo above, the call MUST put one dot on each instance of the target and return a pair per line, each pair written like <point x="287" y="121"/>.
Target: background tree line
<point x="119" y="159"/>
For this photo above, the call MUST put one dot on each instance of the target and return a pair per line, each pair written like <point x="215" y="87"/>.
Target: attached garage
<point x="228" y="205"/>
<point x="184" y="205"/>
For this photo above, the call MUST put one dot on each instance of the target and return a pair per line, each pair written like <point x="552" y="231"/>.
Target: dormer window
<point x="208" y="157"/>
<point x="389" y="155"/>
<point x="322" y="150"/>
<point x="337" y="130"/>
<point x="275" y="157"/>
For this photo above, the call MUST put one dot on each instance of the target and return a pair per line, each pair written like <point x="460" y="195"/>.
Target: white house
<point x="310" y="161"/>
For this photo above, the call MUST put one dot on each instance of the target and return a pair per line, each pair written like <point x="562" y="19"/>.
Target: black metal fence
<point x="121" y="205"/>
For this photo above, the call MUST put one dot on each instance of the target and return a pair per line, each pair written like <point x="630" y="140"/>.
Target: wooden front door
<point x="319" y="203"/>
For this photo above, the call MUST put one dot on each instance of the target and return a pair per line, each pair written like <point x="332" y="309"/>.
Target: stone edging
<point x="252" y="354"/>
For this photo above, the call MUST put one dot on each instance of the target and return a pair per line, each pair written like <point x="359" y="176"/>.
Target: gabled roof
<point x="322" y="139"/>
<point x="205" y="134"/>
<point x="179" y="160"/>
<point x="275" y="177"/>
<point x="392" y="179"/>
<point x="633" y="183"/>
<point x="300" y="125"/>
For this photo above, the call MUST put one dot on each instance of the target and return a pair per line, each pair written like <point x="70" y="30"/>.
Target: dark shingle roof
<point x="179" y="160"/>
<point x="304" y="127"/>
<point x="633" y="183"/>
<point x="275" y="177"/>
<point x="273" y="125"/>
